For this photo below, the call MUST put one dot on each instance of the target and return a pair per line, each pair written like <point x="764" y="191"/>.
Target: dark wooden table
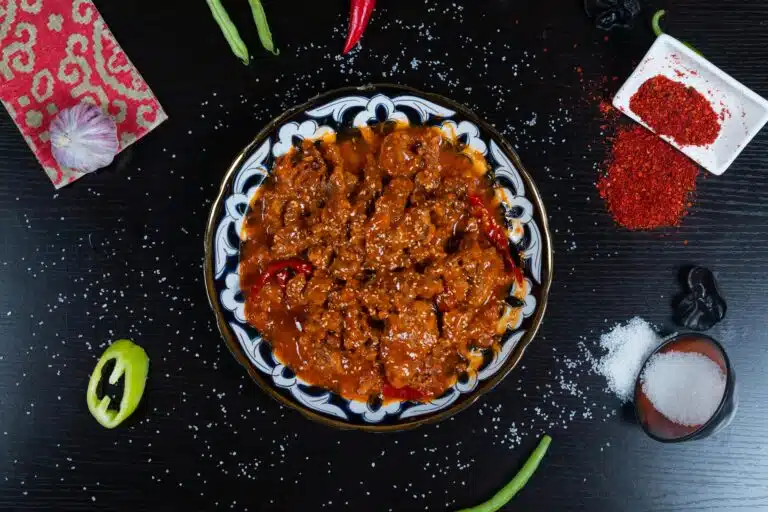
<point x="119" y="254"/>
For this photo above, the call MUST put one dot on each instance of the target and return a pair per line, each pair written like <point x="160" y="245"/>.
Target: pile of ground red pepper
<point x="647" y="183"/>
<point x="676" y="110"/>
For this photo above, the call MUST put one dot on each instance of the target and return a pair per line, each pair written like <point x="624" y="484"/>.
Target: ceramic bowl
<point x="333" y="112"/>
<point x="662" y="429"/>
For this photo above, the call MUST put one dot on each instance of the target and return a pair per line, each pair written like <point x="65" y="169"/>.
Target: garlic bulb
<point x="83" y="138"/>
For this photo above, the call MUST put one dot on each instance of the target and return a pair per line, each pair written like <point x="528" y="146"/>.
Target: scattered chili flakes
<point x="647" y="183"/>
<point x="597" y="91"/>
<point x="674" y="109"/>
<point x="607" y="111"/>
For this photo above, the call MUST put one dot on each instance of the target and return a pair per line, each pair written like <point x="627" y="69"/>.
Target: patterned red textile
<point x="57" y="53"/>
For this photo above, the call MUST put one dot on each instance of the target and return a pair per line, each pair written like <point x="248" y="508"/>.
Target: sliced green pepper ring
<point x="131" y="361"/>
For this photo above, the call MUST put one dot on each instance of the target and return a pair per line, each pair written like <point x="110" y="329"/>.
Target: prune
<point x="703" y="306"/>
<point x="609" y="14"/>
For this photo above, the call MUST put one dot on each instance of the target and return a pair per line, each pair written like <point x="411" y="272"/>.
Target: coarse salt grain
<point x="686" y="387"/>
<point x="627" y="348"/>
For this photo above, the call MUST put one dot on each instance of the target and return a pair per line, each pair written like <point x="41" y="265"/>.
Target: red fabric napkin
<point x="57" y="53"/>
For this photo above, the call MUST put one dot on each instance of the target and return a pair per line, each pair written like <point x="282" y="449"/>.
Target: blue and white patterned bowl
<point x="333" y="112"/>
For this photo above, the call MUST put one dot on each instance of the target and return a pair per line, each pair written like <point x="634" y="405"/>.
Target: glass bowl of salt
<point x="686" y="390"/>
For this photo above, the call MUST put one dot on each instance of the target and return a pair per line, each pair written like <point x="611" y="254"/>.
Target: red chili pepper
<point x="404" y="393"/>
<point x="359" y="13"/>
<point x="495" y="234"/>
<point x="279" y="270"/>
<point x="518" y="273"/>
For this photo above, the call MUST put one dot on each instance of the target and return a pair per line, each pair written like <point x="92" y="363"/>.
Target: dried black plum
<point x="609" y="14"/>
<point x="703" y="306"/>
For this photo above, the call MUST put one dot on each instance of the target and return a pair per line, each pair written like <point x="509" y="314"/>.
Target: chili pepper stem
<point x="658" y="31"/>
<point x="655" y="22"/>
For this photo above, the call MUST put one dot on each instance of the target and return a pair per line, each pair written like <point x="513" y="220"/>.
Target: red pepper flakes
<point x="607" y="112"/>
<point x="676" y="110"/>
<point x="647" y="183"/>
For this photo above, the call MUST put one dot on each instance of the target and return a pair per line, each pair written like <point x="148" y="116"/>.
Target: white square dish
<point x="741" y="111"/>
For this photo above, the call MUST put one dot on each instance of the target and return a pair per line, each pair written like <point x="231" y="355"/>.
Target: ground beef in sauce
<point x="404" y="283"/>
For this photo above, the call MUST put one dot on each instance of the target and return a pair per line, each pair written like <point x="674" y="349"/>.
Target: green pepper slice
<point x="131" y="360"/>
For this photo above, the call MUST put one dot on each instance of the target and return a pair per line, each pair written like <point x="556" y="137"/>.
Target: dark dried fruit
<point x="703" y="306"/>
<point x="609" y="14"/>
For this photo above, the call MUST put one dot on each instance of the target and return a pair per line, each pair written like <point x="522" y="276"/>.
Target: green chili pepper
<point x="657" y="28"/>
<point x="229" y="30"/>
<point x="265" y="35"/>
<point x="131" y="361"/>
<point x="508" y="492"/>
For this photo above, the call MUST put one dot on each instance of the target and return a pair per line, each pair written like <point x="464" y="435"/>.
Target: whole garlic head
<point x="84" y="138"/>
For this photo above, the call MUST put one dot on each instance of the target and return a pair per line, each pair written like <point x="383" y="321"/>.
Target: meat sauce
<point x="366" y="267"/>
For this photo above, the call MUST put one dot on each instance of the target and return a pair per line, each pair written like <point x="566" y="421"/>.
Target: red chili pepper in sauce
<point x="359" y="13"/>
<point x="495" y="233"/>
<point x="282" y="277"/>
<point x="279" y="270"/>
<point x="404" y="393"/>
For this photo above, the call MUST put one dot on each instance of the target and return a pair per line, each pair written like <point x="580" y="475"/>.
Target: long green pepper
<point x="229" y="30"/>
<point x="233" y="36"/>
<point x="262" y="27"/>
<point x="508" y="492"/>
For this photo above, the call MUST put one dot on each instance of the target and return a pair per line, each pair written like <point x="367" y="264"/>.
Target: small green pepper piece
<point x="131" y="360"/>
<point x="262" y="27"/>
<point x="508" y="492"/>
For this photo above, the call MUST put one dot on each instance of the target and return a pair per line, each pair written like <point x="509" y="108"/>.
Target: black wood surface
<point x="119" y="254"/>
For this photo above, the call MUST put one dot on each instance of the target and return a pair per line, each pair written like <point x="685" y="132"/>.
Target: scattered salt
<point x="686" y="387"/>
<point x="627" y="347"/>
